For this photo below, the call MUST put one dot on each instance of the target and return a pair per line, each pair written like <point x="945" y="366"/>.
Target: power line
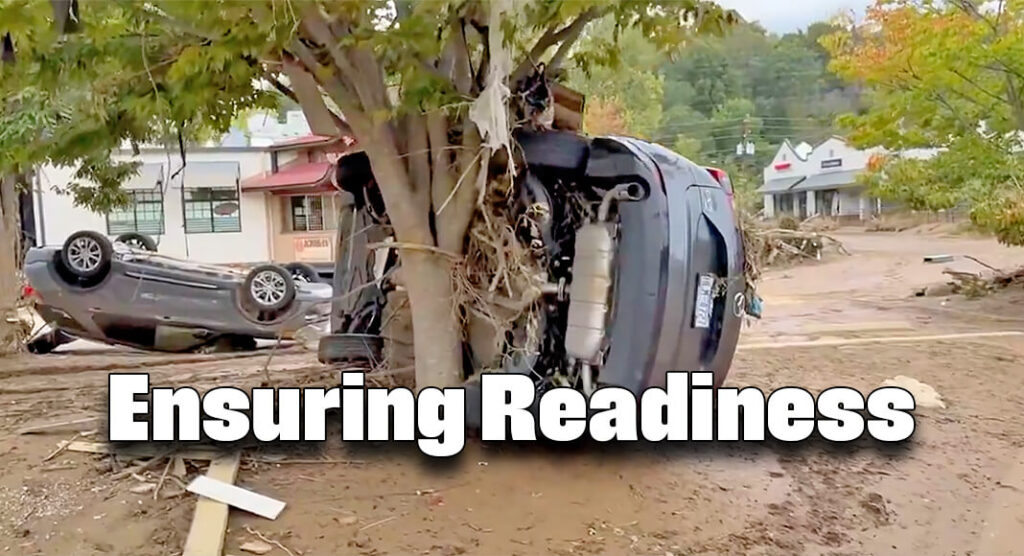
<point x="725" y="126"/>
<point x="768" y="137"/>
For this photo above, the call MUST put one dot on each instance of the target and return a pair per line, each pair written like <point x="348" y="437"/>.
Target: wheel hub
<point x="268" y="287"/>
<point x="84" y="254"/>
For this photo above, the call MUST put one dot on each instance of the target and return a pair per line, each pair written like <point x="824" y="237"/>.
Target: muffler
<point x="589" y="291"/>
<point x="591" y="287"/>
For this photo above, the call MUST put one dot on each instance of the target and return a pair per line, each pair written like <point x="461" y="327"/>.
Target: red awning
<point x="296" y="178"/>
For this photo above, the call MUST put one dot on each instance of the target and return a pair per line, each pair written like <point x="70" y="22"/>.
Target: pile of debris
<point x="971" y="284"/>
<point x="786" y="242"/>
<point x="163" y="472"/>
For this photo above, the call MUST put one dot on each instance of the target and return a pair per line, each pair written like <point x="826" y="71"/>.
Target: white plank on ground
<point x="238" y="497"/>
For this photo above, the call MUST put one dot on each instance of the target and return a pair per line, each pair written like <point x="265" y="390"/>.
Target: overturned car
<point x="641" y="255"/>
<point x="124" y="293"/>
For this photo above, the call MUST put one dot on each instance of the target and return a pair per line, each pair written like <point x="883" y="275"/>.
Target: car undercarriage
<point x="629" y="265"/>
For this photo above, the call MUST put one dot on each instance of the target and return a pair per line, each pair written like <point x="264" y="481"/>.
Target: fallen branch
<point x="268" y="540"/>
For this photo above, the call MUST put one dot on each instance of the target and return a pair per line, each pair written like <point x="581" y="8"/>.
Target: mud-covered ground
<point x="956" y="488"/>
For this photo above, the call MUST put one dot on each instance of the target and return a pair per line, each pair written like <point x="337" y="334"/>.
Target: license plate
<point x="702" y="309"/>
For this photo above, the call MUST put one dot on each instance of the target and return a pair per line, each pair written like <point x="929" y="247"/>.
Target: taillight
<point x="723" y="180"/>
<point x="28" y="292"/>
<point x="717" y="174"/>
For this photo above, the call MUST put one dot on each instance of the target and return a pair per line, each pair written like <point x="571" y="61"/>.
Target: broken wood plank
<point x="879" y="340"/>
<point x="61" y="446"/>
<point x="178" y="469"/>
<point x="210" y="521"/>
<point x="144" y="466"/>
<point x="243" y="499"/>
<point x="56" y="425"/>
<point x="141" y="450"/>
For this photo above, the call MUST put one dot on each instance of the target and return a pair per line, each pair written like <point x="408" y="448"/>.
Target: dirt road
<point x="956" y="488"/>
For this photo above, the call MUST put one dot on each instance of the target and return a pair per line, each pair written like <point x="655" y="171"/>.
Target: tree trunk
<point x="11" y="333"/>
<point x="435" y="325"/>
<point x="426" y="275"/>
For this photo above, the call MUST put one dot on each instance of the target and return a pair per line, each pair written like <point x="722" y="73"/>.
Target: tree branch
<point x="419" y="158"/>
<point x="358" y="66"/>
<point x="461" y="66"/>
<point x="342" y="125"/>
<point x="458" y="207"/>
<point x="440" y="161"/>
<point x="976" y="86"/>
<point x="552" y="37"/>
<point x="314" y="23"/>
<point x="342" y="94"/>
<point x="969" y="8"/>
<point x="563" y="49"/>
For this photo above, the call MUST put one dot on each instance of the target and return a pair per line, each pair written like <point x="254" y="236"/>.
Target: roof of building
<point x="780" y="184"/>
<point x="304" y="175"/>
<point x="311" y="141"/>
<point x="840" y="138"/>
<point x="830" y="180"/>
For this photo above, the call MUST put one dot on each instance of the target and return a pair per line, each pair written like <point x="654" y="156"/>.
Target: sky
<point x="784" y="16"/>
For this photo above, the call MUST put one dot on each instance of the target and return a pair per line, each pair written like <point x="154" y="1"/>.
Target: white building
<point x="804" y="181"/>
<point x="197" y="213"/>
<point x="230" y="204"/>
<point x="818" y="181"/>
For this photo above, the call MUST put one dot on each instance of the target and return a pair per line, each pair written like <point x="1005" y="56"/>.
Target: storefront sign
<point x="313" y="249"/>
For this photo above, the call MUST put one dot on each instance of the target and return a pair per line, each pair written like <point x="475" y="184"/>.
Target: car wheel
<point x="350" y="347"/>
<point x="137" y="241"/>
<point x="302" y="272"/>
<point x="87" y="254"/>
<point x="269" y="287"/>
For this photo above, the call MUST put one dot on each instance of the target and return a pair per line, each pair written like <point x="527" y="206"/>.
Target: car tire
<point x="302" y="272"/>
<point x="269" y="287"/>
<point x="138" y="241"/>
<point x="87" y="254"/>
<point x="335" y="348"/>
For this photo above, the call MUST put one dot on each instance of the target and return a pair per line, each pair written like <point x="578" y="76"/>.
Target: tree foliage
<point x="948" y="75"/>
<point x="633" y="84"/>
<point x="403" y="77"/>
<point x="749" y="83"/>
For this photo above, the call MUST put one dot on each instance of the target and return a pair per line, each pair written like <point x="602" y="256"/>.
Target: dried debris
<point x="499" y="281"/>
<point x="263" y="540"/>
<point x="256" y="547"/>
<point x="972" y="284"/>
<point x="925" y="396"/>
<point x="788" y="242"/>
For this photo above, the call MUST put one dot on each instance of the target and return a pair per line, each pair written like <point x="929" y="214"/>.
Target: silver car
<point x="118" y="293"/>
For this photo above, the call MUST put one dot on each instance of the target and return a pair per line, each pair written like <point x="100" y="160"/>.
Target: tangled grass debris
<point x="971" y="284"/>
<point x="498" y="282"/>
<point x="786" y="242"/>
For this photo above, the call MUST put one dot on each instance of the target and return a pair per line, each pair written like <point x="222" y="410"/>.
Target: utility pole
<point x="745" y="147"/>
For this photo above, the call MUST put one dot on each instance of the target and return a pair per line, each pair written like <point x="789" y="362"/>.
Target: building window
<point x="144" y="214"/>
<point x="211" y="209"/>
<point x="307" y="213"/>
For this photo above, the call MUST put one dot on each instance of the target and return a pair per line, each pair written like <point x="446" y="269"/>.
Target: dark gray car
<point x="643" y="254"/>
<point x="116" y="293"/>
